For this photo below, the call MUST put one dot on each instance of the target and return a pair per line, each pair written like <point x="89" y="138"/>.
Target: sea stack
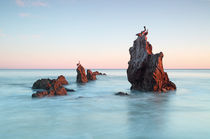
<point x="145" y="70"/>
<point x="81" y="75"/>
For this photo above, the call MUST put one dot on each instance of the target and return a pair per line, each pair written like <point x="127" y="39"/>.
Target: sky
<point x="56" y="34"/>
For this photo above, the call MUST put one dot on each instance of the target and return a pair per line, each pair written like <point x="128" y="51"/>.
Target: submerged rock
<point x="70" y="90"/>
<point x="122" y="94"/>
<point x="145" y="71"/>
<point x="81" y="75"/>
<point x="50" y="87"/>
<point x="90" y="75"/>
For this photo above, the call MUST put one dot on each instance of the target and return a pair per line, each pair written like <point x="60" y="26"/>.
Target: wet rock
<point x="90" y="75"/>
<point x="81" y="75"/>
<point x="122" y="94"/>
<point x="60" y="91"/>
<point x="40" y="94"/>
<point x="50" y="87"/>
<point x="145" y="71"/>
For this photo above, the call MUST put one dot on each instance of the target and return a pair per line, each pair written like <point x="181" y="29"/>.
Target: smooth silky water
<point x="93" y="111"/>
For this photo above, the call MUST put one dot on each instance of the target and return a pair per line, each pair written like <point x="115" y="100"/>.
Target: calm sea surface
<point x="93" y="111"/>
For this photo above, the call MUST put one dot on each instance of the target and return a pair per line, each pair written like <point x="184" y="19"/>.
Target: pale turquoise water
<point x="100" y="114"/>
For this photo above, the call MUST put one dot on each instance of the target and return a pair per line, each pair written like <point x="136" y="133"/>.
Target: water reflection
<point x="147" y="114"/>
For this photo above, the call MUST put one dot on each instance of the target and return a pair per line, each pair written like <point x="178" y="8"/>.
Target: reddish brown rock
<point x="48" y="83"/>
<point x="90" y="75"/>
<point x="81" y="75"/>
<point x="50" y="87"/>
<point x="145" y="71"/>
<point x="40" y="94"/>
<point x="98" y="73"/>
<point x="60" y="91"/>
<point x="62" y="80"/>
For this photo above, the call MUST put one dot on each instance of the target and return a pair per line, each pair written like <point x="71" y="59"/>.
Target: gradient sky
<point x="57" y="33"/>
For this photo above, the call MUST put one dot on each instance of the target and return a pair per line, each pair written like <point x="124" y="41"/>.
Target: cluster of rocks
<point x="48" y="87"/>
<point x="83" y="78"/>
<point x="55" y="87"/>
<point x="145" y="71"/>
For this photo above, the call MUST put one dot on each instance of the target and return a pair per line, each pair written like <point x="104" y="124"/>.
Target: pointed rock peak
<point x="81" y="75"/>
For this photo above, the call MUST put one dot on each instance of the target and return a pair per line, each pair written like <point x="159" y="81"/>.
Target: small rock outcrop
<point x="90" y="75"/>
<point x="70" y="90"/>
<point x="50" y="87"/>
<point x="121" y="94"/>
<point x="81" y="75"/>
<point x="145" y="71"/>
<point x="98" y="73"/>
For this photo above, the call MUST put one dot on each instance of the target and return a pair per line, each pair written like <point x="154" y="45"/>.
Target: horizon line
<point x="97" y="68"/>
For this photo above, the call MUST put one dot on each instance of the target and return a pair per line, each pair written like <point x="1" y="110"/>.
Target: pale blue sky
<point x="58" y="33"/>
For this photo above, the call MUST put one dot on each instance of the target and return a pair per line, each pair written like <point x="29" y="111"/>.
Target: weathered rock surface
<point x="81" y="75"/>
<point x="122" y="94"/>
<point x="90" y="75"/>
<point x="42" y="84"/>
<point x="50" y="87"/>
<point x="145" y="71"/>
<point x="62" y="80"/>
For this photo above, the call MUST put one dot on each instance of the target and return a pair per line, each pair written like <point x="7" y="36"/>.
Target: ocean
<point x="94" y="112"/>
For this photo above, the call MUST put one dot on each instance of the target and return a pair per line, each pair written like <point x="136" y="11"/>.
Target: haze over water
<point x="93" y="111"/>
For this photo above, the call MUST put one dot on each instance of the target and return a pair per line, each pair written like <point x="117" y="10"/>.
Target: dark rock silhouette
<point x="81" y="75"/>
<point x="42" y="84"/>
<point x="145" y="71"/>
<point x="70" y="90"/>
<point x="122" y="94"/>
<point x="90" y="75"/>
<point x="50" y="87"/>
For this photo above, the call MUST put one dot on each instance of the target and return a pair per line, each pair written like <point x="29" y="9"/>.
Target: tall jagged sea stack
<point x="145" y="71"/>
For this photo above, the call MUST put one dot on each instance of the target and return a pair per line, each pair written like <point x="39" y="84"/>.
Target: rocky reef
<point x="50" y="87"/>
<point x="145" y="71"/>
